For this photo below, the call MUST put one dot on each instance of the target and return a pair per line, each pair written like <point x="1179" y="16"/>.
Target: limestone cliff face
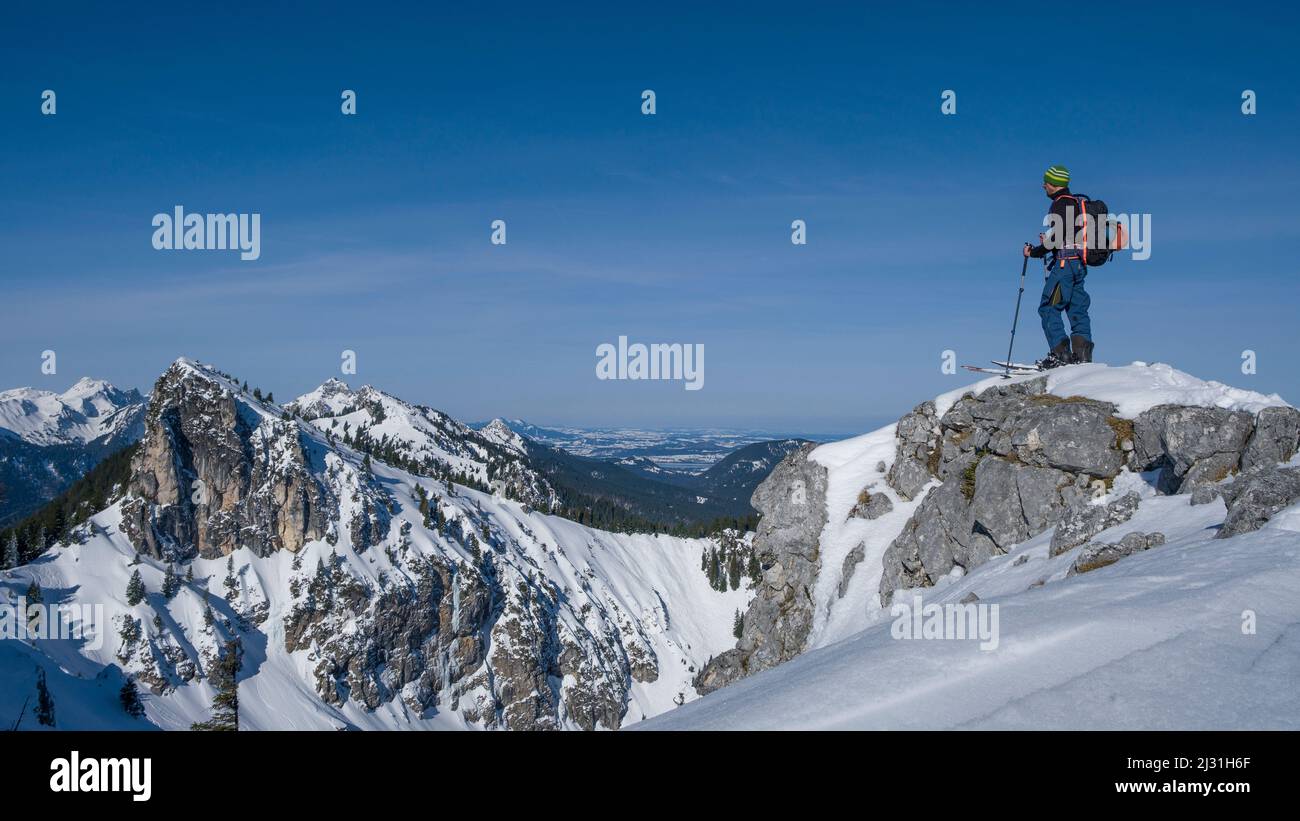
<point x="215" y="473"/>
<point x="792" y="501"/>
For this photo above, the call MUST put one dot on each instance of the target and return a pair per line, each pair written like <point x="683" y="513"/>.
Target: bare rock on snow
<point x="871" y="505"/>
<point x="1082" y="523"/>
<point x="1099" y="554"/>
<point x="1276" y="438"/>
<point x="1255" y="499"/>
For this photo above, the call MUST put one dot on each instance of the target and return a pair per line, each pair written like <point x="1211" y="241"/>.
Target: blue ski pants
<point x="1063" y="292"/>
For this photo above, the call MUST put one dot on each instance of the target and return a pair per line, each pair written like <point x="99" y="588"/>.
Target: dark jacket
<point x="1058" y="207"/>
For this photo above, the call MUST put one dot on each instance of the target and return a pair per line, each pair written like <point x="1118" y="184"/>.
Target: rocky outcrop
<point x="1081" y="524"/>
<point x="1276" y="438"/>
<point x="995" y="470"/>
<point x="1253" y="500"/>
<point x="1192" y="446"/>
<point x="212" y="475"/>
<point x="792" y="501"/>
<point x="917" y="435"/>
<point x="411" y="639"/>
<point x="1100" y="554"/>
<point x="1015" y="460"/>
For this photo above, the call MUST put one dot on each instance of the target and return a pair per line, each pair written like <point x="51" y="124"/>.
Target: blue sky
<point x="671" y="228"/>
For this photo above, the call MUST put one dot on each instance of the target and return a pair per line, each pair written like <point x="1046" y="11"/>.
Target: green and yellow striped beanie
<point x="1057" y="175"/>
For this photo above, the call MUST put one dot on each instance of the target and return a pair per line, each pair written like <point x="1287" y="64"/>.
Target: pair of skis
<point x="1006" y="369"/>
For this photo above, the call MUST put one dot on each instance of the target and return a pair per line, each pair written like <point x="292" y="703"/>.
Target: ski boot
<point x="1058" y="356"/>
<point x="1082" y="349"/>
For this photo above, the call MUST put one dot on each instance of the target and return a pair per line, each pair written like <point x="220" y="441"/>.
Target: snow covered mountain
<point x="497" y="458"/>
<point x="89" y="410"/>
<point x="49" y="440"/>
<point x="359" y="595"/>
<point x="1121" y="546"/>
<point x="426" y="441"/>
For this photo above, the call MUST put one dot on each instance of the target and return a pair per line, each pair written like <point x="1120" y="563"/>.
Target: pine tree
<point x="129" y="632"/>
<point x="230" y="582"/>
<point x="225" y="704"/>
<point x="171" y="584"/>
<point x="10" y="559"/>
<point x="733" y="571"/>
<point x="135" y="590"/>
<point x="208" y="616"/>
<point x="270" y="397"/>
<point x="44" y="701"/>
<point x="34" y="594"/>
<point x="129" y="695"/>
<point x="738" y="624"/>
<point x="189" y="573"/>
<point x="257" y="394"/>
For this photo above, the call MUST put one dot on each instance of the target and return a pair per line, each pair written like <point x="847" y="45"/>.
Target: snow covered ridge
<point x="1064" y="474"/>
<point x="89" y="410"/>
<point x="1131" y="388"/>
<point x="427" y="441"/>
<point x="357" y="594"/>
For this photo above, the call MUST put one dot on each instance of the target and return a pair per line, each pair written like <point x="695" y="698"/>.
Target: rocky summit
<point x="986" y="471"/>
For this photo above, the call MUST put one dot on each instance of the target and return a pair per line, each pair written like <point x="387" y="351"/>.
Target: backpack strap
<point x="1082" y="202"/>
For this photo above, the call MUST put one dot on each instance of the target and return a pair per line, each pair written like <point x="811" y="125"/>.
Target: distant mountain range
<point x="678" y="450"/>
<point x="49" y="440"/>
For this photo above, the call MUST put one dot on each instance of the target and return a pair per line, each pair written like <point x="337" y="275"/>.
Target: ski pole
<point x="1016" y="321"/>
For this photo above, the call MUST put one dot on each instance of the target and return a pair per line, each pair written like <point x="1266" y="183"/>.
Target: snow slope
<point x="1155" y="641"/>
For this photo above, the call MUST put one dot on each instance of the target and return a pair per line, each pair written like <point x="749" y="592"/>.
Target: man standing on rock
<point x="1063" y="291"/>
